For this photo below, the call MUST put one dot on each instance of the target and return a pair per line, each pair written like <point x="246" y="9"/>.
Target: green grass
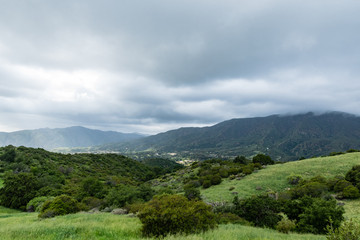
<point x="352" y="210"/>
<point x="74" y="226"/>
<point x="15" y="225"/>
<point x="273" y="178"/>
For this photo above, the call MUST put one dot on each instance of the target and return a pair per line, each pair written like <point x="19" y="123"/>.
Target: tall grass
<point x="74" y="226"/>
<point x="273" y="178"/>
<point x="108" y="226"/>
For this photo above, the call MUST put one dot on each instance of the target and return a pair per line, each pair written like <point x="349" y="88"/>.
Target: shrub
<point x="285" y="225"/>
<point x="261" y="210"/>
<point x="192" y="193"/>
<point x="223" y="173"/>
<point x="263" y="159"/>
<point x="241" y="160"/>
<point x="247" y="169"/>
<point x="353" y="175"/>
<point x="92" y="202"/>
<point x="294" y="179"/>
<point x="172" y="214"/>
<point x="341" y="185"/>
<point x="35" y="204"/>
<point x="351" y="192"/>
<point x="333" y="181"/>
<point x="227" y="217"/>
<point x="294" y="208"/>
<point x="206" y="184"/>
<point x="215" y="179"/>
<point x="312" y="189"/>
<point x="18" y="190"/>
<point x="317" y="216"/>
<point x="60" y="205"/>
<point x="92" y="187"/>
<point x="347" y="231"/>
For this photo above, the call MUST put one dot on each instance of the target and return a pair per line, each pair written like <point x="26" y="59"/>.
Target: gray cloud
<point x="149" y="66"/>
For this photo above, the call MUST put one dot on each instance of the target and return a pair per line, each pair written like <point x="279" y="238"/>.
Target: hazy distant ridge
<point x="64" y="137"/>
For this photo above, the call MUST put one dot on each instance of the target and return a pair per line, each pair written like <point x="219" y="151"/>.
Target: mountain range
<point x="64" y="137"/>
<point x="284" y="138"/>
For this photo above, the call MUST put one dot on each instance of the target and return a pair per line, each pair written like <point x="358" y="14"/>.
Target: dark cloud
<point x="154" y="65"/>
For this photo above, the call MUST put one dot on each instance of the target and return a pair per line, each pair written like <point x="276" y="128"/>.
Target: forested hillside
<point x="284" y="138"/>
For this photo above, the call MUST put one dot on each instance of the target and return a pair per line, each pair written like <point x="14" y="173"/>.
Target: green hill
<point x="284" y="138"/>
<point x="274" y="177"/>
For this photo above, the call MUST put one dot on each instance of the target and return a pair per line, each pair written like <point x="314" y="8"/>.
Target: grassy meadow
<point x="274" y="177"/>
<point x="18" y="225"/>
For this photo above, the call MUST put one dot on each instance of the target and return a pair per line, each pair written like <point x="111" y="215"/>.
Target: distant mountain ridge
<point x="282" y="137"/>
<point x="64" y="137"/>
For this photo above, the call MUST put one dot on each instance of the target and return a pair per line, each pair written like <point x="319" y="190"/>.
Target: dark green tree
<point x="263" y="159"/>
<point x="18" y="190"/>
<point x="319" y="214"/>
<point x="263" y="211"/>
<point x="241" y="160"/>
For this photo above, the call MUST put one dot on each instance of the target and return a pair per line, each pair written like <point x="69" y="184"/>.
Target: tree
<point x="353" y="176"/>
<point x="241" y="160"/>
<point x="320" y="214"/>
<point x="92" y="187"/>
<point x="9" y="155"/>
<point x="263" y="211"/>
<point x="18" y="190"/>
<point x="263" y="159"/>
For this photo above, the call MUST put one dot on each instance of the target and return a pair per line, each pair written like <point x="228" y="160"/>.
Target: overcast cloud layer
<point x="154" y="65"/>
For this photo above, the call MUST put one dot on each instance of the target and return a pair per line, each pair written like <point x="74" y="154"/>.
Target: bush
<point x="227" y="217"/>
<point x="294" y="179"/>
<point x="36" y="204"/>
<point x="285" y="225"/>
<point x="92" y="187"/>
<point x="341" y="185"/>
<point x="347" y="231"/>
<point x="263" y="211"/>
<point x="215" y="179"/>
<point x="241" y="160"/>
<point x="317" y="216"/>
<point x="192" y="194"/>
<point x="18" y="190"/>
<point x="353" y="175"/>
<point x="206" y="184"/>
<point x="223" y="173"/>
<point x="312" y="189"/>
<point x="247" y="169"/>
<point x="172" y="214"/>
<point x="351" y="192"/>
<point x="263" y="159"/>
<point x="60" y="205"/>
<point x="333" y="181"/>
<point x="92" y="202"/>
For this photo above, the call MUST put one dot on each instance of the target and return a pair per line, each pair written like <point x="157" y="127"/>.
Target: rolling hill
<point x="284" y="138"/>
<point x="64" y="137"/>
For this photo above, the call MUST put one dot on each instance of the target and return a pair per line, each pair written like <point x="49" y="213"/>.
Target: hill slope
<point x="63" y="137"/>
<point x="274" y="177"/>
<point x="282" y="137"/>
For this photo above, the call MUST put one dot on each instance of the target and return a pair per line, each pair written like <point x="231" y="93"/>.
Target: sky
<point x="155" y="65"/>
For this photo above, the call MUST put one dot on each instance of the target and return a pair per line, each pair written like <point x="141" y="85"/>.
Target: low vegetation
<point x="290" y="197"/>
